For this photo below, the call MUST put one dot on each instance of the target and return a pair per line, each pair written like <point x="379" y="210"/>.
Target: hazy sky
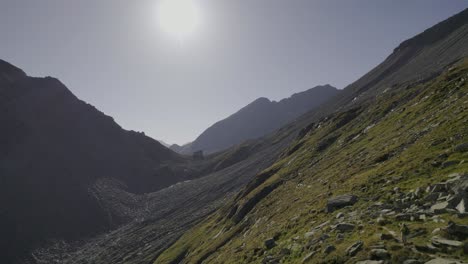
<point x="114" y="55"/>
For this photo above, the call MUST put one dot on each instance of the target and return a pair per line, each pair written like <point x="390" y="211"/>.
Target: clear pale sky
<point x="114" y="55"/>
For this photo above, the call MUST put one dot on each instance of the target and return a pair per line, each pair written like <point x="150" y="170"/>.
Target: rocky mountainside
<point x="257" y="119"/>
<point x="56" y="154"/>
<point x="331" y="187"/>
<point x="390" y="150"/>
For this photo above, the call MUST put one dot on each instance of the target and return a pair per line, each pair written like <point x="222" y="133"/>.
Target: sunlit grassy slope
<point x="398" y="139"/>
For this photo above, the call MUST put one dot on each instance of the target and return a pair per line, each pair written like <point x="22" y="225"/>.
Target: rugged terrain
<point x="399" y="160"/>
<point x="66" y="169"/>
<point x="395" y="152"/>
<point x="331" y="187"/>
<point x="257" y="119"/>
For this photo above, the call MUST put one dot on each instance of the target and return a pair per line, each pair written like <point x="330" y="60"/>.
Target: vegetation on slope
<point x="406" y="138"/>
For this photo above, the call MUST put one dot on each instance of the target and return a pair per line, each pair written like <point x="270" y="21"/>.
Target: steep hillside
<point x="394" y="143"/>
<point x="352" y="144"/>
<point x="257" y="119"/>
<point x="54" y="149"/>
<point x="391" y="155"/>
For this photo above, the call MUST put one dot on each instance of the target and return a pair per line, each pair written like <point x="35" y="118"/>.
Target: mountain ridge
<point x="54" y="150"/>
<point x="256" y="119"/>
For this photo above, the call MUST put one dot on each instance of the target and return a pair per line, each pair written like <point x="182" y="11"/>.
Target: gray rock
<point x="461" y="206"/>
<point x="426" y="248"/>
<point x="440" y="208"/>
<point x="442" y="242"/>
<point x="403" y="217"/>
<point x="379" y="254"/>
<point x="449" y="163"/>
<point x="322" y="225"/>
<point x="354" y="248"/>
<point x="461" y="147"/>
<point x="324" y="237"/>
<point x="328" y="249"/>
<point x="439" y="187"/>
<point x="344" y="227"/>
<point x="422" y="217"/>
<point x="340" y="202"/>
<point x="432" y="197"/>
<point x="270" y="243"/>
<point x="457" y="230"/>
<point x="418" y="192"/>
<point x="370" y="262"/>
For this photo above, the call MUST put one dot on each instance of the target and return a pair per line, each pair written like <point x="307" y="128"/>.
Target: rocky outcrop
<point x="340" y="202"/>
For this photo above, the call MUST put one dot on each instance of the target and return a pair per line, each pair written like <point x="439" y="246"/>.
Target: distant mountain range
<point x="257" y="119"/>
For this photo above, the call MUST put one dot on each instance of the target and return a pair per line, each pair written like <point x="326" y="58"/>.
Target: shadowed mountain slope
<point x="53" y="150"/>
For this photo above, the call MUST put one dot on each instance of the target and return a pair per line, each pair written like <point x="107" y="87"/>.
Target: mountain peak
<point x="259" y="118"/>
<point x="260" y="100"/>
<point x="10" y="72"/>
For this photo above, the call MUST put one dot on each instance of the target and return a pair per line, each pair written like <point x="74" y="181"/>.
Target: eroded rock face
<point x="340" y="202"/>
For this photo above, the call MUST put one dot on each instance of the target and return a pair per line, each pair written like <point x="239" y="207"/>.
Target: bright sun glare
<point x="178" y="17"/>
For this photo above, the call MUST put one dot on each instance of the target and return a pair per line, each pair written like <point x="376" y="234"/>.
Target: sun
<point x="179" y="17"/>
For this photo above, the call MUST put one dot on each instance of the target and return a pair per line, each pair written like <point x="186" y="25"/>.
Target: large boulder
<point x="341" y="201"/>
<point x="460" y="231"/>
<point x="441" y="242"/>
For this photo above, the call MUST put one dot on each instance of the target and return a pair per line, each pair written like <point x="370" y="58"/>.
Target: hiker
<point x="404" y="233"/>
